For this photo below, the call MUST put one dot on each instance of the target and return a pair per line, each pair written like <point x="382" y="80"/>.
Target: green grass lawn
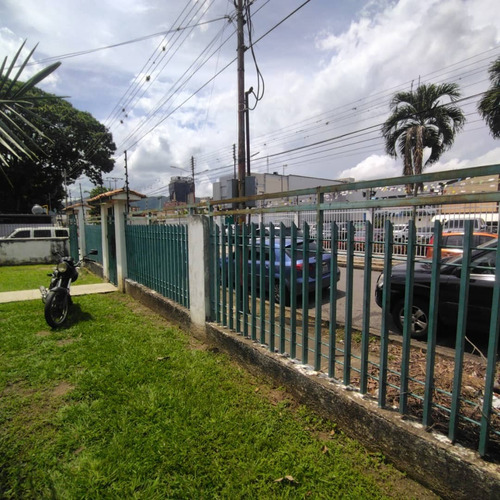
<point x="14" y="278"/>
<point x="118" y="404"/>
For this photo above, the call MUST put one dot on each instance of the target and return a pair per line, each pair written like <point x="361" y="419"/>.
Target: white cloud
<point x="325" y="78"/>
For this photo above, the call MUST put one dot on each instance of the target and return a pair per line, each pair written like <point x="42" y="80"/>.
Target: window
<point x="42" y="233"/>
<point x="61" y="233"/>
<point x="485" y="264"/>
<point x="483" y="239"/>
<point x="22" y="234"/>
<point x="456" y="240"/>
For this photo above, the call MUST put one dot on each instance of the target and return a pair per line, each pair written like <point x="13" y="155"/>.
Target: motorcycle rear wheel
<point x="56" y="307"/>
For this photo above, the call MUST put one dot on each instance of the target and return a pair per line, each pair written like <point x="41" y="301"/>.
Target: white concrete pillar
<point x="120" y="207"/>
<point x="81" y="231"/>
<point x="104" y="237"/>
<point x="199" y="279"/>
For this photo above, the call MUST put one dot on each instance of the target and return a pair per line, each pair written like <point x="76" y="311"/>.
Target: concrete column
<point x="121" y="247"/>
<point x="81" y="230"/>
<point x="104" y="235"/>
<point x="199" y="279"/>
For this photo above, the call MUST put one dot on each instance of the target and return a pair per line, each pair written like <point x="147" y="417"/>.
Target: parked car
<point x="453" y="243"/>
<point x="273" y="255"/>
<point x="400" y="233"/>
<point x="482" y="281"/>
<point x="38" y="232"/>
<point x="458" y="223"/>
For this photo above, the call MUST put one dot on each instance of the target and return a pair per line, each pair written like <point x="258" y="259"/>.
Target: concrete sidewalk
<point x="21" y="295"/>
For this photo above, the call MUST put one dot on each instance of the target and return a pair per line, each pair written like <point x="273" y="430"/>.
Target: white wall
<point x="39" y="251"/>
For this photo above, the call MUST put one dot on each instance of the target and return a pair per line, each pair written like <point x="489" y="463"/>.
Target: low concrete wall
<point x="450" y="471"/>
<point x="35" y="251"/>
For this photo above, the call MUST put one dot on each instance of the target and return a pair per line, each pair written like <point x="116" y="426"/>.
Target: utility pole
<point x="65" y="190"/>
<point x="247" y="128"/>
<point x="192" y="173"/>
<point x="81" y="201"/>
<point x="241" y="101"/>
<point x="126" y="181"/>
<point x="234" y="161"/>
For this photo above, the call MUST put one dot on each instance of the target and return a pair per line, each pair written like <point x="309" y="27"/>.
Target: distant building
<point x="150" y="203"/>
<point x="181" y="189"/>
<point x="256" y="184"/>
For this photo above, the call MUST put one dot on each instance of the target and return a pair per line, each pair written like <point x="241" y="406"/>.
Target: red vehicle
<point x="453" y="243"/>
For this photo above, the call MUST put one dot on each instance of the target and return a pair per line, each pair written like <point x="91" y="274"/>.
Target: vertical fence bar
<point x="409" y="322"/>
<point x="253" y="277"/>
<point x="217" y="263"/>
<point x="349" y="303"/>
<point x="282" y="289"/>
<point x="461" y="331"/>
<point x="163" y="261"/>
<point x="492" y="357"/>
<point x="224" y="266"/>
<point x="170" y="263"/>
<point x="305" y="295"/>
<point x="293" y="292"/>
<point x="244" y="270"/>
<point x="178" y="265"/>
<point x="230" y="274"/>
<point x="318" y="285"/>
<point x="332" y="332"/>
<point x="238" y="271"/>
<point x="386" y="311"/>
<point x="186" y="265"/>
<point x="262" y="279"/>
<point x="433" y="323"/>
<point x="271" y="271"/>
<point x="367" y="285"/>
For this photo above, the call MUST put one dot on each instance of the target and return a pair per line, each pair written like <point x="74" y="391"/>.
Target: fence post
<point x="120" y="207"/>
<point x="104" y="239"/>
<point x="81" y="230"/>
<point x="199" y="265"/>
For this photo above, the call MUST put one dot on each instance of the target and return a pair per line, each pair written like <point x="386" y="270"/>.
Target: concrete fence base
<point x="450" y="471"/>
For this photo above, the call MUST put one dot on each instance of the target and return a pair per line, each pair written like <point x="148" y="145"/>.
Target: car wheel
<point x="419" y="320"/>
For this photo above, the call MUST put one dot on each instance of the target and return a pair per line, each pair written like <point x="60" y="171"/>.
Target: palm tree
<point x="421" y="120"/>
<point x="15" y="101"/>
<point x="489" y="105"/>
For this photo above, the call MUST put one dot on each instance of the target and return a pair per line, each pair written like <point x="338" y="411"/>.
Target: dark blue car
<point x="273" y="255"/>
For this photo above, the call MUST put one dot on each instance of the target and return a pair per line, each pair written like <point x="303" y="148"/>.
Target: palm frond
<point x="14" y="107"/>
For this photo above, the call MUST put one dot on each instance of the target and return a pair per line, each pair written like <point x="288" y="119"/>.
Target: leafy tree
<point x="15" y="104"/>
<point x="95" y="211"/>
<point x="421" y="120"/>
<point x="74" y="143"/>
<point x="489" y="105"/>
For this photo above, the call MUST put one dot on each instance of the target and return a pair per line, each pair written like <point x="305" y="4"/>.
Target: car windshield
<point x="300" y="250"/>
<point x="454" y="261"/>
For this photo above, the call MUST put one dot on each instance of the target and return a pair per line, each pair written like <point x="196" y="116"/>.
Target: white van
<point x="458" y="224"/>
<point x="39" y="232"/>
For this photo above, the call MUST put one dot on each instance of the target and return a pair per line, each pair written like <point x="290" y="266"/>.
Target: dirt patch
<point x="63" y="342"/>
<point x="62" y="389"/>
<point x="43" y="333"/>
<point x="472" y="390"/>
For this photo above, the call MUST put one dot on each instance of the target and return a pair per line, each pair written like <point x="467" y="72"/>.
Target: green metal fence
<point x="282" y="302"/>
<point x="157" y="257"/>
<point x="93" y="240"/>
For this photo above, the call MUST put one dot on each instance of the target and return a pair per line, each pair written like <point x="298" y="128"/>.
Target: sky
<point x="162" y="77"/>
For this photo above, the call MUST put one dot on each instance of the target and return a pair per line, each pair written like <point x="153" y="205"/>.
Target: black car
<point x="481" y="284"/>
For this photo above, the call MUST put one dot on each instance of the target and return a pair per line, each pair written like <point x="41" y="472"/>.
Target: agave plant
<point x="15" y="104"/>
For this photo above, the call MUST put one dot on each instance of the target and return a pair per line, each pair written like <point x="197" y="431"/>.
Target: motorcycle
<point x="57" y="298"/>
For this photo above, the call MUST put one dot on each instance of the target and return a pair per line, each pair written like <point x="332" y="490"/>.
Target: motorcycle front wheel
<point x="56" y="307"/>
